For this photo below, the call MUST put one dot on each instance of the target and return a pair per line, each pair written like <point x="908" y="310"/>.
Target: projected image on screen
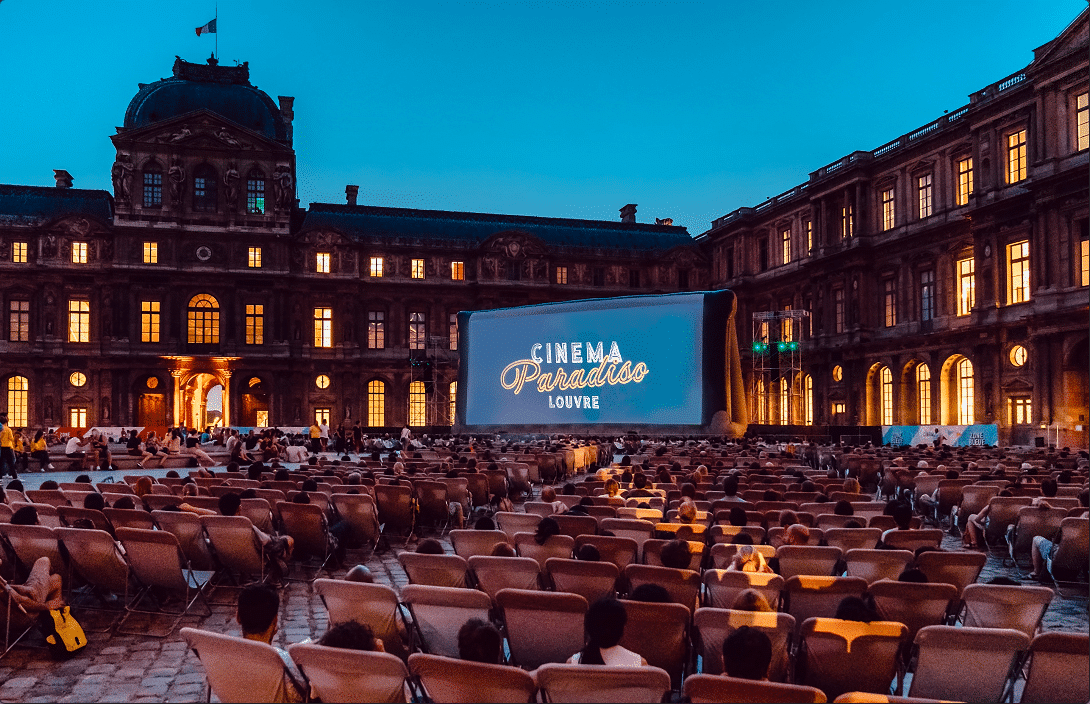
<point x="630" y="360"/>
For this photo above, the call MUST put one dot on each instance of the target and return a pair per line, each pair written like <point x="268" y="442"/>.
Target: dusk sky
<point x="561" y="109"/>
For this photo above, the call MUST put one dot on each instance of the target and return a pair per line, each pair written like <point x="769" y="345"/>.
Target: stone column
<point x="226" y="410"/>
<point x="177" y="404"/>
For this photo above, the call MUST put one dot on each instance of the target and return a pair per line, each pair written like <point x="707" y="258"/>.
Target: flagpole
<point x="217" y="30"/>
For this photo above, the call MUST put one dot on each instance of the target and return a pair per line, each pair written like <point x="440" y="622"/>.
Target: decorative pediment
<point x="1017" y="385"/>
<point x="514" y="244"/>
<point x="200" y="129"/>
<point x="323" y="238"/>
<point x="923" y="165"/>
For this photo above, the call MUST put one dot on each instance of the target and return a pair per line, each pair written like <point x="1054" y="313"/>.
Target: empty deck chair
<point x="438" y="613"/>
<point x="722" y="587"/>
<point x="541" y="627"/>
<point x="1002" y="606"/>
<point x="660" y="633"/>
<point x="947" y="654"/>
<point x="186" y="527"/>
<point x="914" y="604"/>
<point x="912" y="539"/>
<point x="493" y="574"/>
<point x="235" y="546"/>
<point x="598" y="683"/>
<point x="638" y="530"/>
<point x="840" y="656"/>
<point x="1058" y="668"/>
<point x="682" y="585"/>
<point x="435" y="570"/>
<point x="873" y="565"/>
<point x="712" y="689"/>
<point x="396" y="509"/>
<point x="511" y="523"/>
<point x="807" y="560"/>
<point x="468" y="543"/>
<point x="462" y="682"/>
<point x="958" y="568"/>
<point x="241" y="670"/>
<point x="590" y="580"/>
<point x="852" y="538"/>
<point x="555" y="546"/>
<point x="715" y="625"/>
<point x="158" y="563"/>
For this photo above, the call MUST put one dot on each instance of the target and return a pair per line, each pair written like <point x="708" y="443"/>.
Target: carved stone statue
<point x="176" y="176"/>
<point x="227" y="138"/>
<point x="179" y="136"/>
<point x="284" y="187"/>
<point x="230" y="184"/>
<point x="122" y="176"/>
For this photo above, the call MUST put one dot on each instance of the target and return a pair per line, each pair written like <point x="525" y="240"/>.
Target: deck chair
<point x="912" y="539"/>
<point x="70" y="514"/>
<point x="714" y="625"/>
<point x="1003" y="512"/>
<point x="1057" y="669"/>
<point x="682" y="585"/>
<point x="518" y="479"/>
<point x="434" y="570"/>
<point x="808" y="597"/>
<point x="31" y="542"/>
<point x="306" y="524"/>
<point x="53" y="497"/>
<point x="396" y="509"/>
<point x="511" y="523"/>
<point x="914" y="604"/>
<point x="645" y="514"/>
<point x="129" y="518"/>
<point x="463" y="682"/>
<point x="725" y="534"/>
<point x="47" y="513"/>
<point x="974" y="498"/>
<point x="556" y="546"/>
<point x="493" y="574"/>
<point x="469" y="542"/>
<point x="946" y="654"/>
<point x="186" y="527"/>
<point x="807" y="560"/>
<point x="438" y="613"/>
<point x="884" y="523"/>
<point x="660" y="633"/>
<point x="235" y="546"/>
<point x="362" y="516"/>
<point x="873" y="565"/>
<point x="259" y="512"/>
<point x="638" y="530"/>
<point x="826" y="521"/>
<point x="852" y="538"/>
<point x="374" y="605"/>
<point x="158" y="563"/>
<point x="722" y="587"/>
<point x="590" y="580"/>
<point x="722" y="554"/>
<point x="240" y="670"/>
<point x="477" y="485"/>
<point x="15" y="621"/>
<point x="1069" y="558"/>
<point x="541" y="627"/>
<point x="575" y="526"/>
<point x="1002" y="606"/>
<point x="652" y="553"/>
<point x="497" y="481"/>
<point x="598" y="683"/>
<point x="539" y="508"/>
<point x="838" y="656"/>
<point x="5" y="513"/>
<point x="712" y="689"/>
<point x="94" y="555"/>
<point x="958" y="568"/>
<point x="432" y="506"/>
<point x="115" y="488"/>
<point x="620" y="551"/>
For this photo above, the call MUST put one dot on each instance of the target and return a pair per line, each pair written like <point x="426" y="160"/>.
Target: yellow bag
<point x="62" y="631"/>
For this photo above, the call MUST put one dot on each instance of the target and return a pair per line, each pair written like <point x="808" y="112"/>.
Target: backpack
<point x="62" y="632"/>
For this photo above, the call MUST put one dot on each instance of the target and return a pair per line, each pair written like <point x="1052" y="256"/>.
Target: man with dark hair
<point x="352" y="635"/>
<point x="257" y="614"/>
<point x="676" y="554"/>
<point x="479" y="641"/>
<point x="277" y="549"/>
<point x="747" y="653"/>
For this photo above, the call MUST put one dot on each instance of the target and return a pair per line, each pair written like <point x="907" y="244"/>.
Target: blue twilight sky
<point x="563" y="109"/>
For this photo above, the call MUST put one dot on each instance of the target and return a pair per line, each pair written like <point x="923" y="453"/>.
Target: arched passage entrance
<point x="202" y="401"/>
<point x="202" y="390"/>
<point x="255" y="403"/>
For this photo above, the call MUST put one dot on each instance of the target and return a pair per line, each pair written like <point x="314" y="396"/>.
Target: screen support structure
<point x="425" y="365"/>
<point x="777" y="380"/>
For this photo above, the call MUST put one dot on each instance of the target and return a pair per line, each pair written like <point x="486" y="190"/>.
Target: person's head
<point x="429" y="546"/>
<point x="83" y="479"/>
<point x="309" y="485"/>
<point x="902" y="515"/>
<point x="747" y="653"/>
<point x="851" y="486"/>
<point x="503" y="550"/>
<point x="360" y="573"/>
<point x="639" y="480"/>
<point x="484" y="523"/>
<point x="301" y="497"/>
<point x="352" y="635"/>
<point x="548" y="494"/>
<point x="651" y="593"/>
<point x="94" y="501"/>
<point x="49" y="484"/>
<point x="568" y="489"/>
<point x="1049" y="487"/>
<point x="912" y="575"/>
<point x="603" y="627"/>
<point x="843" y="508"/>
<point x="258" y="607"/>
<point x="730" y="486"/>
<point x="588" y="553"/>
<point x="25" y="516"/>
<point x="737" y="516"/>
<point x="612" y="488"/>
<point x="479" y="641"/>
<point x="751" y="600"/>
<point x="125" y="502"/>
<point x="282" y="475"/>
<point x="230" y="503"/>
<point x="788" y="518"/>
<point x="686" y="512"/>
<point x="688" y="490"/>
<point x="742" y="539"/>
<point x="796" y="534"/>
<point x="546" y="528"/>
<point x="854" y="608"/>
<point x="771" y="495"/>
<point x="675" y="553"/>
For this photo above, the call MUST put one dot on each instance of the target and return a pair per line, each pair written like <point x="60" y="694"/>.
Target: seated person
<point x="479" y="641"/>
<point x="747" y="559"/>
<point x="603" y="628"/>
<point x="429" y="546"/>
<point x="277" y="549"/>
<point x="352" y="635"/>
<point x="747" y="653"/>
<point x="751" y="600"/>
<point x="548" y="496"/>
<point x="854" y="608"/>
<point x="651" y="593"/>
<point x="41" y="591"/>
<point x="676" y="554"/>
<point x="257" y="614"/>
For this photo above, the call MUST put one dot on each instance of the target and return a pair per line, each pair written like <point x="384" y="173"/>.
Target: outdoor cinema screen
<point x="636" y="361"/>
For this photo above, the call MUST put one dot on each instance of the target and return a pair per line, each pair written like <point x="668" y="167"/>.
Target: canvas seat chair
<point x="575" y="526"/>
<point x="435" y="570"/>
<point x="259" y="512"/>
<point x="1070" y="556"/>
<point x="620" y="551"/>
<point x="538" y="508"/>
<point x="945" y="654"/>
<point x="235" y="546"/>
<point x="96" y="558"/>
<point x="682" y="585"/>
<point x="713" y="626"/>
<point x="852" y="538"/>
<point x="28" y="543"/>
<point x="722" y="554"/>
<point x="639" y="530"/>
<point x="1003" y="512"/>
<point x="115" y="488"/>
<point x="511" y="523"/>
<point x="652" y="553"/>
<point x="722" y="587"/>
<point x="914" y="604"/>
<point x="70" y="514"/>
<point x="807" y="560"/>
<point x="974" y="498"/>
<point x="911" y="540"/>
<point x="477" y="485"/>
<point x="518" y="478"/>
<point x="713" y="689"/>
<point x="884" y="523"/>
<point x="359" y="511"/>
<point x="468" y="542"/>
<point x="541" y="627"/>
<point x="53" y="497"/>
<point x="809" y="596"/>
<point x="645" y="514"/>
<point x="720" y="533"/>
<point x="5" y="513"/>
<point x="396" y="509"/>
<point x="555" y="546"/>
<point x="1002" y="606"/>
<point x="958" y="568"/>
<point x="1058" y="668"/>
<point x="463" y="682"/>
<point x="47" y="513"/>
<point x="599" y="683"/>
<point x="186" y="527"/>
<point x="660" y="633"/>
<point x="590" y="580"/>
<point x="865" y="510"/>
<point x="157" y="562"/>
<point x="829" y="520"/>
<point x="775" y="536"/>
<point x="239" y="670"/>
<point x="1032" y="521"/>
<point x="497" y="482"/>
<point x="432" y="506"/>
<point x="306" y="524"/>
<point x="493" y="574"/>
<point x="840" y="656"/>
<point x="873" y="565"/>
<point x="129" y="518"/>
<point x="438" y="613"/>
<point x="374" y="605"/>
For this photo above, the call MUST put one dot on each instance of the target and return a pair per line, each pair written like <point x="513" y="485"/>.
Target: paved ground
<point x="117" y="668"/>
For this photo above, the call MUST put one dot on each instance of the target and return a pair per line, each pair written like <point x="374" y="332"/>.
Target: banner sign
<point x="953" y="435"/>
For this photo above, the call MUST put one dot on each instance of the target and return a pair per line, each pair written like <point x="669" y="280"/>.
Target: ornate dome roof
<point x="224" y="90"/>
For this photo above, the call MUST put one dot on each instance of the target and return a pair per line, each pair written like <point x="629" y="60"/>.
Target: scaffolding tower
<point x="425" y="365"/>
<point x="777" y="381"/>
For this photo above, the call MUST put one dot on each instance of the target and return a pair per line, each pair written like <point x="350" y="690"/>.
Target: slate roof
<point x="35" y="205"/>
<point x="364" y="221"/>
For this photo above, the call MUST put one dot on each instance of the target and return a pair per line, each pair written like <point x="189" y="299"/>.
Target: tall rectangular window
<point x="923" y="393"/>
<point x="886" y="379"/>
<point x="598" y="275"/>
<point x="153" y="189"/>
<point x="255" y="324"/>
<point x="728" y="262"/>
<point x="19" y="321"/>
<point x="838" y="310"/>
<point x="927" y="295"/>
<point x="1018" y="268"/>
<point x="321" y="415"/>
<point x="77" y="417"/>
<point x="79" y="252"/>
<point x="887" y="209"/>
<point x="457" y="271"/>
<point x="762" y="254"/>
<point x="418" y="404"/>
<point x="785" y="245"/>
<point x="255" y="193"/>
<point x="809" y="225"/>
<point x="633" y="278"/>
<point x="18" y="252"/>
<point x="321" y="264"/>
<point x="79" y="321"/>
<point x="561" y="274"/>
<point x="323" y="327"/>
<point x="785" y="402"/>
<point x="923" y="192"/>
<point x="847" y="222"/>
<point x="376" y="267"/>
<point x="966" y="271"/>
<point x="253" y="257"/>
<point x="151" y="252"/>
<point x="376" y="330"/>
<point x="453" y="327"/>
<point x="418" y="331"/>
<point x="149" y="321"/>
<point x="889" y="301"/>
<point x="1084" y="262"/>
<point x="965" y="180"/>
<point x="787" y="325"/>
<point x="376" y="404"/>
<point x="1020" y="410"/>
<point x="418" y="268"/>
<point x="1016" y="157"/>
<point x="1082" y="122"/>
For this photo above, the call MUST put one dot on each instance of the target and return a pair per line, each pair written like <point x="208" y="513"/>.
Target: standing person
<point x="39" y="450"/>
<point x="315" y="437"/>
<point x="7" y="447"/>
<point x="323" y="434"/>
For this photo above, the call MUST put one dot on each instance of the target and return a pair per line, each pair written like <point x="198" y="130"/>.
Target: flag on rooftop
<point x="209" y="28"/>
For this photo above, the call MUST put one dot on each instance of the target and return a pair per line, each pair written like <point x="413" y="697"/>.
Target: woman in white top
<point x="603" y="627"/>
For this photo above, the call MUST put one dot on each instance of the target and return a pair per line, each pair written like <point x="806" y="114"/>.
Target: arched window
<point x="417" y="404"/>
<point x="255" y="192"/>
<point x="923" y="392"/>
<point x="453" y="399"/>
<point x="808" y="398"/>
<point x="153" y="185"/>
<point x="18" y="391"/>
<point x="886" y="379"/>
<point x="376" y="404"/>
<point x="204" y="188"/>
<point x="966" y="414"/>
<point x="204" y="320"/>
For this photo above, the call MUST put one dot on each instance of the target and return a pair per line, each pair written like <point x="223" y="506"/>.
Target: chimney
<point x="351" y="192"/>
<point x="628" y="213"/>
<point x="287" y="113"/>
<point x="64" y="179"/>
<point x="664" y="221"/>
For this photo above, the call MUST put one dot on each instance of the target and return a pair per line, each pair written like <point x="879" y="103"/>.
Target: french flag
<point x="209" y="28"/>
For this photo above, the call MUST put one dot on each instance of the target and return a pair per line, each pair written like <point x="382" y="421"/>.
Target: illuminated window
<point x="889" y="299"/>
<point x="321" y="415"/>
<point x="887" y="209"/>
<point x="457" y="271"/>
<point x="1016" y="157"/>
<point x="838" y="310"/>
<point x="923" y="393"/>
<point x="847" y="222"/>
<point x="322" y="381"/>
<point x="204" y="188"/>
<point x="18" y="252"/>
<point x="19" y="321"/>
<point x="1084" y="262"/>
<point x="255" y="192"/>
<point x="927" y="295"/>
<point x="886" y="379"/>
<point x="417" y="268"/>
<point x="1018" y="268"/>
<point x="376" y="267"/>
<point x="376" y="404"/>
<point x="453" y="400"/>
<point x="18" y="401"/>
<point x="149" y="321"/>
<point x="1020" y="410"/>
<point x="840" y="408"/>
<point x="453" y="331"/>
<point x="323" y="327"/>
<point x="203" y="320"/>
<point x="785" y="246"/>
<point x="838" y="373"/>
<point x="966" y="414"/>
<point x="417" y="331"/>
<point x="253" y="257"/>
<point x="151" y="252"/>
<point x="965" y="180"/>
<point x="77" y="417"/>
<point x="79" y="321"/>
<point x="761" y="401"/>
<point x="255" y="324"/>
<point x="966" y="269"/>
<point x="321" y="263"/>
<point x="1082" y="122"/>
<point x="561" y="274"/>
<point x="376" y="330"/>
<point x="153" y="186"/>
<point x="418" y="404"/>
<point x="923" y="191"/>
<point x="764" y="331"/>
<point x="1019" y="355"/>
<point x="808" y="399"/>
<point x="77" y="379"/>
<point x="787" y="327"/>
<point x="785" y="403"/>
<point x="79" y="252"/>
<point x="809" y="225"/>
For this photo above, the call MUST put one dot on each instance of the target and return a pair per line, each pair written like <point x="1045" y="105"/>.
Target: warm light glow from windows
<point x="321" y="415"/>
<point x="886" y="380"/>
<point x="77" y="417"/>
<point x="787" y="327"/>
<point x="923" y="393"/>
<point x="255" y="324"/>
<point x="322" y="381"/>
<point x="323" y="327"/>
<point x="1019" y="355"/>
<point x="204" y="320"/>
<point x="79" y="252"/>
<point x="887" y="209"/>
<point x="785" y="403"/>
<point x="840" y="408"/>
<point x="1020" y="410"/>
<point x="149" y="321"/>
<point x="417" y="268"/>
<point x="966" y="269"/>
<point x="890" y="303"/>
<point x="923" y="190"/>
<point x="77" y="379"/>
<point x="417" y="404"/>
<point x="1082" y="122"/>
<point x="1016" y="157"/>
<point x="457" y="271"/>
<point x="253" y="259"/>
<point x="561" y="274"/>
<point x="322" y="263"/>
<point x="18" y="252"/>
<point x="965" y="180"/>
<point x="18" y="401"/>
<point x="808" y="398"/>
<point x="838" y="373"/>
<point x="761" y="401"/>
<point x="966" y="412"/>
<point x="785" y="245"/>
<point x="18" y="321"/>
<point x="418" y="334"/>
<point x="376" y="267"/>
<point x="1084" y="263"/>
<point x="453" y="400"/>
<point x="376" y="330"/>
<point x="847" y="222"/>
<point x="79" y="321"/>
<point x="376" y="404"/>
<point x="151" y="252"/>
<point x="1018" y="272"/>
